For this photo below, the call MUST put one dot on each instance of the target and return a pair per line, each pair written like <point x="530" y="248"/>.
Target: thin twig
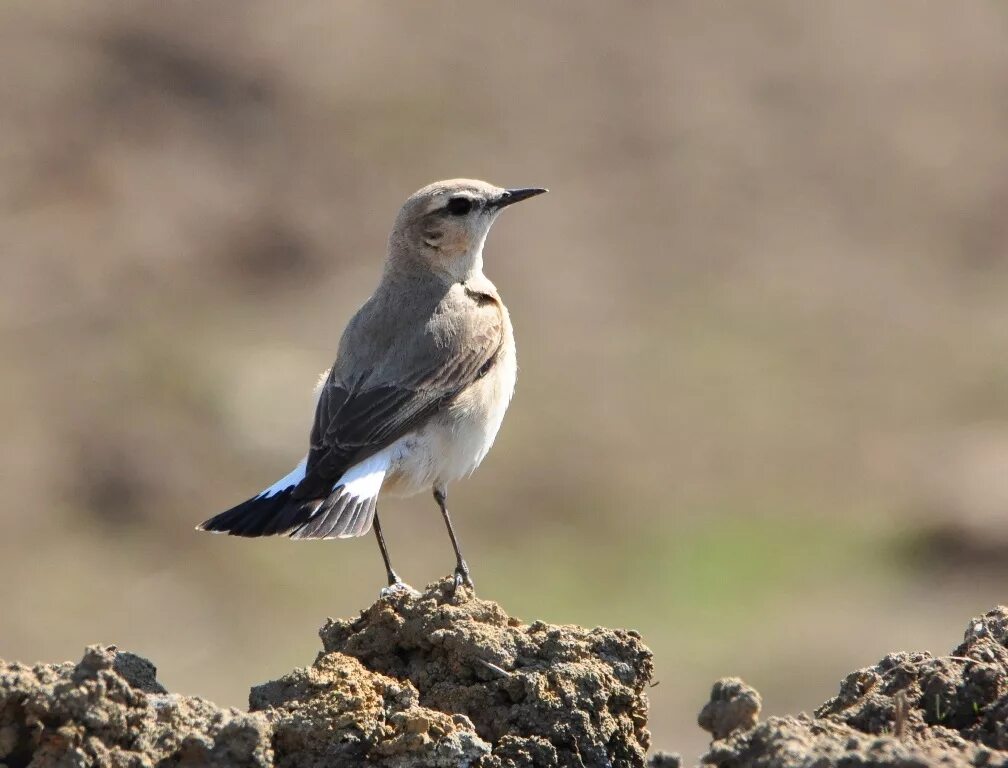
<point x="499" y="671"/>
<point x="900" y="717"/>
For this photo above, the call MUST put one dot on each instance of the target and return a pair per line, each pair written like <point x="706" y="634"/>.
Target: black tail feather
<point x="338" y="515"/>
<point x="261" y="516"/>
<point x="322" y="520"/>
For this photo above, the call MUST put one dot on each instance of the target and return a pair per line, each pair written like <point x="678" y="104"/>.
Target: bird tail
<point x="341" y="514"/>
<point x="337" y="516"/>
<point x="261" y="515"/>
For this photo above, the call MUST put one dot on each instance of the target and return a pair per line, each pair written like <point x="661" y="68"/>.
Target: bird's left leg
<point x="461" y="569"/>
<point x="394" y="582"/>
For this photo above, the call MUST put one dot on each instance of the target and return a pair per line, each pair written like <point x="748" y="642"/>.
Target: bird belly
<point x="413" y="466"/>
<point x="454" y="442"/>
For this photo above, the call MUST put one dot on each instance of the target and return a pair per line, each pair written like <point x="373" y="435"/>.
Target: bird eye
<point x="459" y="206"/>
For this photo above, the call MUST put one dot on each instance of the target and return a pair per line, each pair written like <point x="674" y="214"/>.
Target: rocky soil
<point x="426" y="680"/>
<point x="911" y="710"/>
<point x="450" y="680"/>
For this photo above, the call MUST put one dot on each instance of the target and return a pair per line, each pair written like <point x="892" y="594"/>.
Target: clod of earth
<point x="733" y="705"/>
<point x="910" y="710"/>
<point x="429" y="680"/>
<point x="439" y="680"/>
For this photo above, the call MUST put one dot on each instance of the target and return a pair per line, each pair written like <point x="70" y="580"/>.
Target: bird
<point x="424" y="373"/>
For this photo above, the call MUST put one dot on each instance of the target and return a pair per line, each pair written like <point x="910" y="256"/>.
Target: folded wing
<point x="359" y="415"/>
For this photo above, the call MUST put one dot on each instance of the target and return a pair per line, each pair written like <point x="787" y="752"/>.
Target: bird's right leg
<point x="461" y="568"/>
<point x="394" y="582"/>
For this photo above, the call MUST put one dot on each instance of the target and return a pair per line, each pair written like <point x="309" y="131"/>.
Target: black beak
<point x="511" y="196"/>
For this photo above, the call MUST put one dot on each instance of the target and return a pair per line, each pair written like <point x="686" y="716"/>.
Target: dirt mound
<point x="108" y="710"/>
<point x="910" y="709"/>
<point x="541" y="694"/>
<point x="417" y="680"/>
<point x="439" y="680"/>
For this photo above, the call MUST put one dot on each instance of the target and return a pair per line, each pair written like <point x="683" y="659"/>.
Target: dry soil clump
<point x="441" y="680"/>
<point x="911" y="710"/>
<point x="417" y="680"/>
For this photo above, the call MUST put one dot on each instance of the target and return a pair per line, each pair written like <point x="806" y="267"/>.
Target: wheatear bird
<point x="424" y="373"/>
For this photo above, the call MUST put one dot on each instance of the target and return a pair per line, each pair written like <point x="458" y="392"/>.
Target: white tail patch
<point x="364" y="480"/>
<point x="350" y="508"/>
<point x="320" y="384"/>
<point x="289" y="480"/>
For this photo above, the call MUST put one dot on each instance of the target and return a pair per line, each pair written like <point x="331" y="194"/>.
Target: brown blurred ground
<point x="786" y="220"/>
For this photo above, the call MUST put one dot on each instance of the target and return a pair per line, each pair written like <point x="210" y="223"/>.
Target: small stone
<point x="417" y="724"/>
<point x="733" y="705"/>
<point x="665" y="760"/>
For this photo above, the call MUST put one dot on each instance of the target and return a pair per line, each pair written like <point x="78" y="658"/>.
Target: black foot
<point x="462" y="576"/>
<point x="397" y="586"/>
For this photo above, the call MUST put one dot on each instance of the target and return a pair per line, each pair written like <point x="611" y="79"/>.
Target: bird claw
<point x="398" y="587"/>
<point x="462" y="577"/>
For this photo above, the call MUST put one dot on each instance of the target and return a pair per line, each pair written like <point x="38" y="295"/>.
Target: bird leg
<point x="394" y="582"/>
<point x="461" y="569"/>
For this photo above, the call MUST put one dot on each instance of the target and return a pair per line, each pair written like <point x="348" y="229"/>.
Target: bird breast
<point x="454" y="442"/>
<point x="477" y="414"/>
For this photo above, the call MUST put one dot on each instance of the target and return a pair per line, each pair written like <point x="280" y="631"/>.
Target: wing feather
<point x="354" y="420"/>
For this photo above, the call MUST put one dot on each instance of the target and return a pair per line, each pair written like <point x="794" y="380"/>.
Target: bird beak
<point x="511" y="196"/>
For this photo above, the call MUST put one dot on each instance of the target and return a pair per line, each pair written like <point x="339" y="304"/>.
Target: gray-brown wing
<point x="354" y="421"/>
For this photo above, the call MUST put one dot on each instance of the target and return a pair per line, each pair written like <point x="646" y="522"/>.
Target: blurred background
<point x="762" y="410"/>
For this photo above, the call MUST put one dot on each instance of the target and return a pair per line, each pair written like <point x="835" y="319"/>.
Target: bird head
<point x="445" y="224"/>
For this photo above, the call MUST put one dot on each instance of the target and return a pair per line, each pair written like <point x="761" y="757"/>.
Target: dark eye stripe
<point x="459" y="206"/>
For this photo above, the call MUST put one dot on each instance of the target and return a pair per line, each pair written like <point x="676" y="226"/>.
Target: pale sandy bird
<point x="424" y="373"/>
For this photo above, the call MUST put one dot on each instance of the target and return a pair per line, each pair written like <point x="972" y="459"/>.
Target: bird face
<point x="447" y="222"/>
